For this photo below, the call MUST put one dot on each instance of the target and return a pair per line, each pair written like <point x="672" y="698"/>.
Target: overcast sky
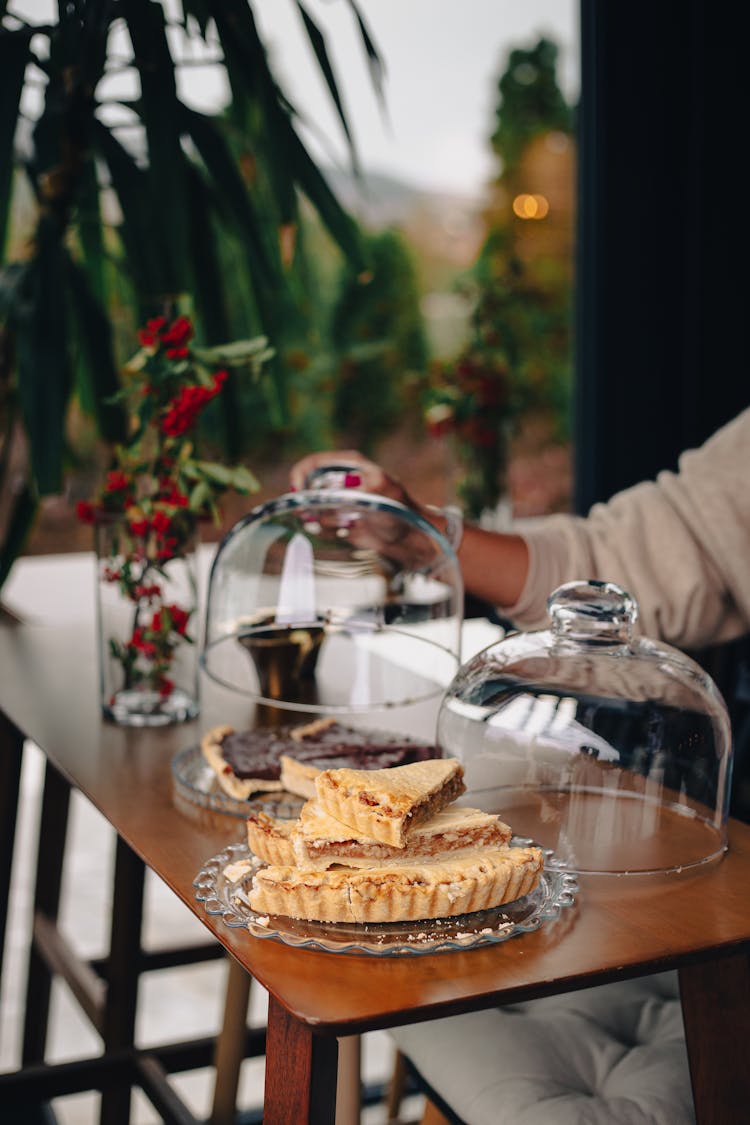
<point x="443" y="59"/>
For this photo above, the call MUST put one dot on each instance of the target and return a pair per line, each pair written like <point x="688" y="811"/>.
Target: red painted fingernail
<point x="352" y="480"/>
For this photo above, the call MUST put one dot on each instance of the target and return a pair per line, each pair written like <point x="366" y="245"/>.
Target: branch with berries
<point x="158" y="488"/>
<point x="474" y="402"/>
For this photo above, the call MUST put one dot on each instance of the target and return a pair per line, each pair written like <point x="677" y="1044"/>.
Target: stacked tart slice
<point x="388" y="845"/>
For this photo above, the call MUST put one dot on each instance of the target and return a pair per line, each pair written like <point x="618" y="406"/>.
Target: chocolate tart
<point x="290" y="757"/>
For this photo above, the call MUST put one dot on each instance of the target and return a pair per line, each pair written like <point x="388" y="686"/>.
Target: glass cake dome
<point x="334" y="600"/>
<point x="611" y="749"/>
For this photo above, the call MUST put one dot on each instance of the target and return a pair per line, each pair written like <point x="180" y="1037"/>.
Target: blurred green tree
<point x="517" y="361"/>
<point x="531" y="103"/>
<point x="378" y="342"/>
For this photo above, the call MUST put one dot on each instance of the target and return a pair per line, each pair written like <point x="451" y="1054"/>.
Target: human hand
<point x="392" y="538"/>
<point x="362" y="473"/>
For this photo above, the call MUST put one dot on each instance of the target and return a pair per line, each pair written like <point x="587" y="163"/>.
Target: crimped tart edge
<point x="492" y="878"/>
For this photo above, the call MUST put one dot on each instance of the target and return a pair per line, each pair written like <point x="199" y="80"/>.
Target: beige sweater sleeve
<point x="680" y="545"/>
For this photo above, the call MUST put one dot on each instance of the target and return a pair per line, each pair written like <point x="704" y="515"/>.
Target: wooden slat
<point x="155" y="1085"/>
<point x="230" y="1044"/>
<point x="53" y="829"/>
<point x="61" y="958"/>
<point x="11" y="755"/>
<point x="118" y="1029"/>
<point x="349" y="1085"/>
<point x="40" y="1082"/>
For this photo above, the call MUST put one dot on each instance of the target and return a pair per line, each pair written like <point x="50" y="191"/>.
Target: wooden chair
<point x="106" y="988"/>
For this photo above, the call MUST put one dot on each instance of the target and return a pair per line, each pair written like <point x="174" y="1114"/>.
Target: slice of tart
<point x="271" y="838"/>
<point x="263" y="760"/>
<point x="478" y="879"/>
<point x="245" y="762"/>
<point x="329" y="744"/>
<point x="387" y="805"/>
<point x="319" y="841"/>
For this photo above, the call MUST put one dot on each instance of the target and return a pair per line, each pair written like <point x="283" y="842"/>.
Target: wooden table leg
<point x="300" y="1072"/>
<point x="716" y="1010"/>
<point x="53" y="826"/>
<point x="11" y="754"/>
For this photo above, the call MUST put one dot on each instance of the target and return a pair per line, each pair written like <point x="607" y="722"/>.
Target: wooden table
<point x="697" y="923"/>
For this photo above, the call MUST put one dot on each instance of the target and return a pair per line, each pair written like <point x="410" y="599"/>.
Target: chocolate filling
<point x="256" y="753"/>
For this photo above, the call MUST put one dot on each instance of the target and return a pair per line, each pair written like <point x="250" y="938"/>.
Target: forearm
<point x="494" y="565"/>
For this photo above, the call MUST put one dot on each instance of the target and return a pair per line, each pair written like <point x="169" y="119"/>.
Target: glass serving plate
<point x="195" y="781"/>
<point x="220" y="886"/>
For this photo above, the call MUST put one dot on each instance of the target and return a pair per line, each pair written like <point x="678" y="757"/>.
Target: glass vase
<point x="147" y="601"/>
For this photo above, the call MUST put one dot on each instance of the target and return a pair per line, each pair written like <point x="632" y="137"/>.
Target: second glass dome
<point x="611" y="749"/>
<point x="334" y="600"/>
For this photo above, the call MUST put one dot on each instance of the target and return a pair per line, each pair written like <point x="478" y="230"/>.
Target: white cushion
<point x="611" y="1055"/>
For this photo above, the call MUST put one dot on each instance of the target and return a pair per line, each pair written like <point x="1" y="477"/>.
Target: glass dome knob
<point x="592" y="612"/>
<point x="334" y="475"/>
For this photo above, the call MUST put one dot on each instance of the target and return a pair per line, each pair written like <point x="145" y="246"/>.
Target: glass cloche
<point x="334" y="601"/>
<point x="611" y="749"/>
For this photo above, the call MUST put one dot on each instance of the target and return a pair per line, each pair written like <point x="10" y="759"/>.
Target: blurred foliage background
<point x="374" y="298"/>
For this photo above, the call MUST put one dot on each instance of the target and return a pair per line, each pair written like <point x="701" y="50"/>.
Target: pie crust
<point x="475" y="880"/>
<point x="238" y="787"/>
<point x="271" y="838"/>
<point x="387" y="805"/>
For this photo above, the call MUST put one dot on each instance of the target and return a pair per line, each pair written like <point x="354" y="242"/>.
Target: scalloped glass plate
<point x="195" y="781"/>
<point x="220" y="886"/>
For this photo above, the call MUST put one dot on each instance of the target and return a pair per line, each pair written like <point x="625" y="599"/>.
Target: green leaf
<point x="44" y="374"/>
<point x="251" y="80"/>
<point x="162" y="119"/>
<point x="243" y="480"/>
<point x="210" y="288"/>
<point x="266" y="277"/>
<point x="139" y="229"/>
<point x="375" y="62"/>
<point x="216" y="472"/>
<point x="13" y="281"/>
<point x="318" y="43"/>
<point x="229" y="186"/>
<point x="200" y="11"/>
<point x="14" y="55"/>
<point x="200" y="496"/>
<point x="212" y="300"/>
<point x="342" y="227"/>
<point x="235" y="353"/>
<point x="90" y="228"/>
<point x="237" y="477"/>
<point x="99" y="380"/>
